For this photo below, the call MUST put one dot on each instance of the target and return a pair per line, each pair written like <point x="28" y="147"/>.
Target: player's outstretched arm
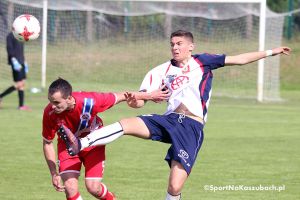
<point x="250" y="57"/>
<point x="137" y="99"/>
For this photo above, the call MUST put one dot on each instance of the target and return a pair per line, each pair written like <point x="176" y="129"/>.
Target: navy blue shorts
<point x="184" y="134"/>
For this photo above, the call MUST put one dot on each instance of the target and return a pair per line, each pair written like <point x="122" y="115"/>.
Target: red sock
<point x="75" y="197"/>
<point x="105" y="194"/>
<point x="110" y="196"/>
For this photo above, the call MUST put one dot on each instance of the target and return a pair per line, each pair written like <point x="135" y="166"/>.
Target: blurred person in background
<point x="16" y="59"/>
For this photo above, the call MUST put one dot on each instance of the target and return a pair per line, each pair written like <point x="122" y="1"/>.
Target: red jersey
<point x="82" y="119"/>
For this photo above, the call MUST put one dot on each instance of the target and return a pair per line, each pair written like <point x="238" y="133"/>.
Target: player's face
<point x="59" y="104"/>
<point x="181" y="48"/>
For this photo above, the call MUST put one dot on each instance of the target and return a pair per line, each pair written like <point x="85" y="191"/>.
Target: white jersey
<point x="189" y="85"/>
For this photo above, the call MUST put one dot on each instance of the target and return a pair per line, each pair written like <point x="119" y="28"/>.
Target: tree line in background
<point x="292" y="22"/>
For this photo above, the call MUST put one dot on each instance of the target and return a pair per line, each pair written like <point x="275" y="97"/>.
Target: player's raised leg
<point x="135" y="126"/>
<point x="130" y="126"/>
<point x="72" y="143"/>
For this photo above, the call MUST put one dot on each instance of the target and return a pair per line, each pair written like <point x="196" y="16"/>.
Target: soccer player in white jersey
<point x="188" y="80"/>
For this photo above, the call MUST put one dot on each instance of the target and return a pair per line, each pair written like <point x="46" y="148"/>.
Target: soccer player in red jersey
<point x="78" y="112"/>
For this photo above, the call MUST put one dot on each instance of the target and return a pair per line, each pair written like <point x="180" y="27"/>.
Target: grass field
<point x="246" y="143"/>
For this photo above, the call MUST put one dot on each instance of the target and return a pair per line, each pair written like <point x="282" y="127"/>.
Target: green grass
<point x="246" y="143"/>
<point x="289" y="68"/>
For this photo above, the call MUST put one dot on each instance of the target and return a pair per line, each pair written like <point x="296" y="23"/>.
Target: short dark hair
<point x="182" y="33"/>
<point x="62" y="86"/>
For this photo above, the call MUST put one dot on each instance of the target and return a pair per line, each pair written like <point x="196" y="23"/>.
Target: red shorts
<point x="92" y="158"/>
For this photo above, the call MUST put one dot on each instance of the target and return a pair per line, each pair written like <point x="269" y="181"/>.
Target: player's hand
<point x="15" y="64"/>
<point x="281" y="50"/>
<point x="161" y="94"/>
<point x="57" y="183"/>
<point x="131" y="100"/>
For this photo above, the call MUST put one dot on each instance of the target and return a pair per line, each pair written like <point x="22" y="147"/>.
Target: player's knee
<point x="136" y="127"/>
<point x="20" y="86"/>
<point x="71" y="187"/>
<point x="174" y="188"/>
<point x="93" y="191"/>
<point x="93" y="187"/>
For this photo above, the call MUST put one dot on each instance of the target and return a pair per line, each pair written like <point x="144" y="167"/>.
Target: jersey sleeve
<point x="49" y="131"/>
<point x="9" y="47"/>
<point x="212" y="61"/>
<point x="152" y="81"/>
<point x="104" y="101"/>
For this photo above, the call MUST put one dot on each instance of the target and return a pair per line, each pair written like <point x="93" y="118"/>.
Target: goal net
<point x="112" y="44"/>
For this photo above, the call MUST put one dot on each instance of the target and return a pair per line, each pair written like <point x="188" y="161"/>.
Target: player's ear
<point x="191" y="47"/>
<point x="69" y="98"/>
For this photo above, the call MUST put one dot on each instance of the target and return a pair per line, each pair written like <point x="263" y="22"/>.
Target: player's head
<point x="182" y="45"/>
<point x="60" y="95"/>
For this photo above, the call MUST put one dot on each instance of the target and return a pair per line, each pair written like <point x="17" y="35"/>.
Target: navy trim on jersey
<point x="86" y="113"/>
<point x="205" y="84"/>
<point x="205" y="87"/>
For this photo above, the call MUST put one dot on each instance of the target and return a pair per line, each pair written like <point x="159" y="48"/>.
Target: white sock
<point x="171" y="197"/>
<point x="102" y="136"/>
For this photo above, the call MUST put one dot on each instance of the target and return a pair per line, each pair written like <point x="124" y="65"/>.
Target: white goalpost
<point x="261" y="63"/>
<point x="90" y="41"/>
<point x="44" y="44"/>
<point x="262" y="33"/>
